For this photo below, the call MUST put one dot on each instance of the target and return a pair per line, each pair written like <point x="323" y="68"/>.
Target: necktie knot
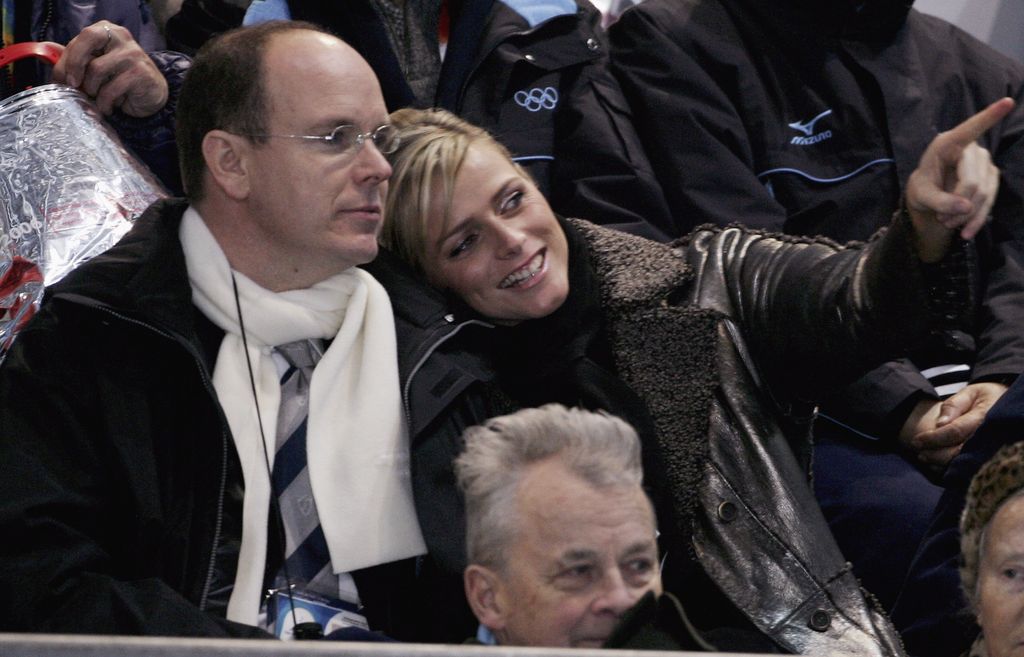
<point x="302" y="354"/>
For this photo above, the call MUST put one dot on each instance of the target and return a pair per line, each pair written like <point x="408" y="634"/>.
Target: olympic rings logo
<point x="537" y="99"/>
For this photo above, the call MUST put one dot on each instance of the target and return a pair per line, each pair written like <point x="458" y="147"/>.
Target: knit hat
<point x="997" y="480"/>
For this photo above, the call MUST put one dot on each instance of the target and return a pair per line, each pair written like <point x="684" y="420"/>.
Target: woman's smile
<point x="528" y="275"/>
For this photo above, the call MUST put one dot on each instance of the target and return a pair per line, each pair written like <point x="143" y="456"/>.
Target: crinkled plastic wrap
<point x="68" y="191"/>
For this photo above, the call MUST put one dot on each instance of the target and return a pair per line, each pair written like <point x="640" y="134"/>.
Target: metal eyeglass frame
<point x="357" y="141"/>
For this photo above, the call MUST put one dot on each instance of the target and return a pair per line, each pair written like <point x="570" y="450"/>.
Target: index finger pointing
<point x="973" y="128"/>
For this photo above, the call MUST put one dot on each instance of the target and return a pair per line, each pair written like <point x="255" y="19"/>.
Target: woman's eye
<point x="511" y="202"/>
<point x="1011" y="573"/>
<point x="462" y="246"/>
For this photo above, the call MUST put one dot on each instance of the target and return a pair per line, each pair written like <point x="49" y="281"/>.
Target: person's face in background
<point x="502" y="250"/>
<point x="1001" y="581"/>
<point x="581" y="557"/>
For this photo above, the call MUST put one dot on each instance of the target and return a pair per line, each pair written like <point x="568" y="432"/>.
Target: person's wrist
<point x="1002" y="379"/>
<point x="931" y="239"/>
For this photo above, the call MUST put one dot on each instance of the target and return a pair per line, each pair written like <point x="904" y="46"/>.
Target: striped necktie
<point x="306" y="554"/>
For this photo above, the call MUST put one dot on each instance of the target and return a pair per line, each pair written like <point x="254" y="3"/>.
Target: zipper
<point x="45" y="25"/>
<point x="208" y="385"/>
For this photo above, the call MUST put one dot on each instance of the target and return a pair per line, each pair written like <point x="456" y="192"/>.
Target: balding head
<point x="225" y="89"/>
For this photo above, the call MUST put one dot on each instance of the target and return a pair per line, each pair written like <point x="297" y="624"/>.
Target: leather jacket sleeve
<point x="800" y="317"/>
<point x="814" y="314"/>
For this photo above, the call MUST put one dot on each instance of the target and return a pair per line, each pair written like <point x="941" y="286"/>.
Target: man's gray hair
<point x="601" y="449"/>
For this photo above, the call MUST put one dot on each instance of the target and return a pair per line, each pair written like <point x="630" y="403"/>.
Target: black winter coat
<point x="121" y="490"/>
<point x="118" y="462"/>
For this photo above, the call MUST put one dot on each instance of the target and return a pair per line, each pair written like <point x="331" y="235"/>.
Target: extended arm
<point x="816" y="314"/>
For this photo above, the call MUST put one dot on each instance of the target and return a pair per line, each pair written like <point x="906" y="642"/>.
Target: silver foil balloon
<point x="68" y="191"/>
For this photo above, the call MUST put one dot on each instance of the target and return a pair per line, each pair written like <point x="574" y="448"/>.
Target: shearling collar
<point x="632" y="270"/>
<point x="639" y="279"/>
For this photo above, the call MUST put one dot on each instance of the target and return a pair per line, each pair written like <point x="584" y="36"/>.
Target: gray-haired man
<point x="561" y="537"/>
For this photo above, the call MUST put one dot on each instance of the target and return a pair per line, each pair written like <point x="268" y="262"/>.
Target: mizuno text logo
<point x="808" y="129"/>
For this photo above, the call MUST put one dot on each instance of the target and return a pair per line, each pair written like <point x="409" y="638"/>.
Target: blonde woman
<point x="711" y="348"/>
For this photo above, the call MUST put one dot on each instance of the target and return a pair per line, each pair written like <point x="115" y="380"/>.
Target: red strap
<point x="44" y="50"/>
<point x="21" y="272"/>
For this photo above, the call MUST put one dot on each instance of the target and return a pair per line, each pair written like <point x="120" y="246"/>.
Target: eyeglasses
<point x="347" y="138"/>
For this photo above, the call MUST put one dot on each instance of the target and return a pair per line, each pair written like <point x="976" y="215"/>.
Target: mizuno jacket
<point x="806" y="116"/>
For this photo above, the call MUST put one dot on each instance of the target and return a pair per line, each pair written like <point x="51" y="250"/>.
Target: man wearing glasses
<point x="202" y="431"/>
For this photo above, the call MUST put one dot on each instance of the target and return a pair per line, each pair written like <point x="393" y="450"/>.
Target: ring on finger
<point x="110" y="36"/>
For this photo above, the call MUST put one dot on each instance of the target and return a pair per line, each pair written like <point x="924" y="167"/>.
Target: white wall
<point x="1000" y="23"/>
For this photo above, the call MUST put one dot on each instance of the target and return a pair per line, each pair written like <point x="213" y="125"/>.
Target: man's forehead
<point x="302" y="38"/>
<point x="577" y="551"/>
<point x="550" y="498"/>
<point x="308" y="54"/>
<point x="321" y="75"/>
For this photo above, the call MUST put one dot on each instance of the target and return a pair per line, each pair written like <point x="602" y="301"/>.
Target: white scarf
<point x="357" y="443"/>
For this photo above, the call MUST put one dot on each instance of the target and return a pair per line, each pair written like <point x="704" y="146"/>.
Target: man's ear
<point x="486" y="597"/>
<point x="226" y="157"/>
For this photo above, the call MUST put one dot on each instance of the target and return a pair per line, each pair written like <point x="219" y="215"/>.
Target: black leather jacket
<point x="700" y="332"/>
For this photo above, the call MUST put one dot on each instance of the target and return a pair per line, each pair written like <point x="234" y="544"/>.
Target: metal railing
<point x="52" y="645"/>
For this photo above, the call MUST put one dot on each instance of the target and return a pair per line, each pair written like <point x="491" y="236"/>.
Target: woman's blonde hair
<point x="432" y="148"/>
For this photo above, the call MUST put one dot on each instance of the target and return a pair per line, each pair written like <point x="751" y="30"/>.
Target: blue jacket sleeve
<point x="152" y="138"/>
